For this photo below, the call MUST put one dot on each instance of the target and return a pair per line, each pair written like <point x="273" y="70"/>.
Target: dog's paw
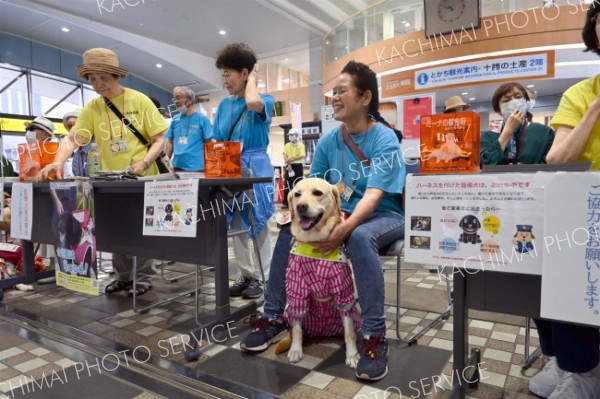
<point x="352" y="359"/>
<point x="295" y="354"/>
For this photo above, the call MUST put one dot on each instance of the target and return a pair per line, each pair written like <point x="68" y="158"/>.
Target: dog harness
<point x="319" y="291"/>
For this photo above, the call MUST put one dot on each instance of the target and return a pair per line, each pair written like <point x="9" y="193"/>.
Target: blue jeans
<point x="575" y="346"/>
<point x="379" y="231"/>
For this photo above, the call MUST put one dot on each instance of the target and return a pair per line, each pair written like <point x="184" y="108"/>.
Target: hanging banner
<point x="571" y="266"/>
<point x="21" y="219"/>
<point x="296" y="113"/>
<point x="73" y="226"/>
<point x="171" y="208"/>
<point x="536" y="65"/>
<point x="482" y="222"/>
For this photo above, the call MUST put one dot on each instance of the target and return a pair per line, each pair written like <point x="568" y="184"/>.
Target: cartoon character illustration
<point x="168" y="213"/>
<point x="449" y="151"/>
<point x="470" y="224"/>
<point x="188" y="216"/>
<point x="523" y="239"/>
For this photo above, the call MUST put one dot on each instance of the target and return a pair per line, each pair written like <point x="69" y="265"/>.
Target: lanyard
<point x="515" y="146"/>
<point x="187" y="130"/>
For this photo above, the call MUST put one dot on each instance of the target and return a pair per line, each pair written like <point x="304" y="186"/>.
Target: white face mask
<point x="30" y="136"/>
<point x="293" y="139"/>
<point x="507" y="109"/>
<point x="183" y="109"/>
<point x="531" y="104"/>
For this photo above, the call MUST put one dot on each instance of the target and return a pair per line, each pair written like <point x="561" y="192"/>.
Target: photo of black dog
<point x="470" y="224"/>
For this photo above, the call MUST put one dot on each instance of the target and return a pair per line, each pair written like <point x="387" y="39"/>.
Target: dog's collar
<point x="307" y="250"/>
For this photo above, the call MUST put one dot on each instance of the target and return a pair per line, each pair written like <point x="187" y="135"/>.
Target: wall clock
<point x="444" y="16"/>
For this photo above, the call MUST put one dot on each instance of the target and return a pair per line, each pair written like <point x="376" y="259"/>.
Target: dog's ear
<point x="478" y="223"/>
<point x="337" y="200"/>
<point x="291" y="206"/>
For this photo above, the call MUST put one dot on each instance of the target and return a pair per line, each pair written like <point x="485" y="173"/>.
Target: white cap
<point x="293" y="132"/>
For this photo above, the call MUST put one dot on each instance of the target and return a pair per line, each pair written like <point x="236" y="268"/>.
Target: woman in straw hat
<point x="455" y="104"/>
<point x="519" y="141"/>
<point x="118" y="147"/>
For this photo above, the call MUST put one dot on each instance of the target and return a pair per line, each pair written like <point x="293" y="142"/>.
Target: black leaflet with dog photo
<point x="73" y="221"/>
<point x="319" y="288"/>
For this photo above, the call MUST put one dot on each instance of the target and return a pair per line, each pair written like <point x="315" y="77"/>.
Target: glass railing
<point x="390" y="18"/>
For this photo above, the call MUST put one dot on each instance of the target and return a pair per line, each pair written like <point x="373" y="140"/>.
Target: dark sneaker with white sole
<point x="253" y="290"/>
<point x="264" y="333"/>
<point x="237" y="288"/>
<point x="372" y="365"/>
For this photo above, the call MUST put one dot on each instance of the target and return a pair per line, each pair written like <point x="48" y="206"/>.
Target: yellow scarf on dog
<point x="307" y="250"/>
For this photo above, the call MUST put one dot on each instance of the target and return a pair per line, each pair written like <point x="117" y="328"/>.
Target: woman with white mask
<point x="519" y="140"/>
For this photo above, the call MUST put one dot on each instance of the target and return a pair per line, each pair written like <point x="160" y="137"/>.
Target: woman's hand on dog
<point x="335" y="240"/>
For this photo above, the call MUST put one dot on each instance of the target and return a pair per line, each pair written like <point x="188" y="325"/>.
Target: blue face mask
<point x="507" y="109"/>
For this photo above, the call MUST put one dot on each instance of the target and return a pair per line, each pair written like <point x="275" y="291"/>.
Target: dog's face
<point x="314" y="208"/>
<point x="524" y="236"/>
<point x="469" y="224"/>
<point x="168" y="209"/>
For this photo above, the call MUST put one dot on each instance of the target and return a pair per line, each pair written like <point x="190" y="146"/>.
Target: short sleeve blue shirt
<point x="188" y="134"/>
<point x="252" y="130"/>
<point x="334" y="161"/>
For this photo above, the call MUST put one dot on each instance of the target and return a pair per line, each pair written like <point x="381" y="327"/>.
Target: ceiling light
<point x="472" y="99"/>
<point x="260" y="85"/>
<point x="407" y="24"/>
<point x="530" y="86"/>
<point x="159" y="65"/>
<point x="465" y="93"/>
<point x="222" y="32"/>
<point x="286" y="80"/>
<point x="64" y="29"/>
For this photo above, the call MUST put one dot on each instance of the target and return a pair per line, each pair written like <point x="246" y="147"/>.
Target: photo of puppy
<point x="320" y="289"/>
<point x="470" y="224"/>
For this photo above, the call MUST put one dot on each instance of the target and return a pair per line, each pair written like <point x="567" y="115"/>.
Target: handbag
<point x="163" y="162"/>
<point x="223" y="158"/>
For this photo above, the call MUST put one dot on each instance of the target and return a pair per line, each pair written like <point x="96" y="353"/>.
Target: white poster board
<point x="21" y="211"/>
<point x="477" y="221"/>
<point x="171" y="208"/>
<point x="296" y="113"/>
<point x="571" y="266"/>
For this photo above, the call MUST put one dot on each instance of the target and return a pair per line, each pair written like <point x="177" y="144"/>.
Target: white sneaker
<point x="546" y="380"/>
<point x="579" y="386"/>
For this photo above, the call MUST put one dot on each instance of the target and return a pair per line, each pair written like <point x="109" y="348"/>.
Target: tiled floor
<point x="164" y="331"/>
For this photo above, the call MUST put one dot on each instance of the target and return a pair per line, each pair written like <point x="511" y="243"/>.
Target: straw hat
<point x="41" y="123"/>
<point x="455" y="102"/>
<point x="101" y="60"/>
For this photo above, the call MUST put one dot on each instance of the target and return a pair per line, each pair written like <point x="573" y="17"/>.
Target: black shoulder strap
<point x="236" y="122"/>
<point x="119" y="115"/>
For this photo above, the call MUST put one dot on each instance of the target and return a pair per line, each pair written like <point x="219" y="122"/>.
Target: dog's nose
<point x="301" y="207"/>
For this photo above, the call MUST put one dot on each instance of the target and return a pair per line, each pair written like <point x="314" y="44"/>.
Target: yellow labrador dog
<point x="319" y="288"/>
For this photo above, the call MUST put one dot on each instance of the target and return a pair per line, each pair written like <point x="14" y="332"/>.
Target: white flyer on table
<point x="170" y="208"/>
<point x="480" y="221"/>
<point x="21" y="207"/>
<point x="571" y="267"/>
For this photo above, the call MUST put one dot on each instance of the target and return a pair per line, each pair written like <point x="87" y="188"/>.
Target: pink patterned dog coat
<point x="319" y="291"/>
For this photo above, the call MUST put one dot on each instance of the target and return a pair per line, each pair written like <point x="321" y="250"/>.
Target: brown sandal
<point x="116" y="286"/>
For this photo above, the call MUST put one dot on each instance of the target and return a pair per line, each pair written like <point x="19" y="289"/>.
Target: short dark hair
<point x="588" y="33"/>
<point x="236" y="56"/>
<point x="505" y="88"/>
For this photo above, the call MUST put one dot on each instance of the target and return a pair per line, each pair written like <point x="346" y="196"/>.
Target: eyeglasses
<point x="177" y="98"/>
<point x="340" y="91"/>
